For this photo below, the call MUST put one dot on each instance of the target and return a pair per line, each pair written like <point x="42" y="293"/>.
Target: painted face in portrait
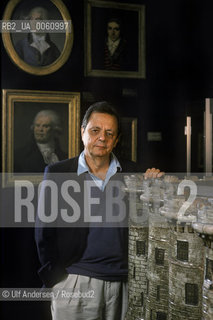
<point x="100" y="135"/>
<point x="113" y="30"/>
<point x="43" y="131"/>
<point x="35" y="15"/>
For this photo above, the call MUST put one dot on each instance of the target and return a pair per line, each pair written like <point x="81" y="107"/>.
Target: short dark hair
<point x="115" y="19"/>
<point x="101" y="107"/>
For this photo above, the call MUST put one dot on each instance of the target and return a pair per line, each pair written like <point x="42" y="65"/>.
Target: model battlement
<point x="170" y="269"/>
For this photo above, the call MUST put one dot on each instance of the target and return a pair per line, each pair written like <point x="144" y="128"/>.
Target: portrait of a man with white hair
<point x="43" y="145"/>
<point x="37" y="48"/>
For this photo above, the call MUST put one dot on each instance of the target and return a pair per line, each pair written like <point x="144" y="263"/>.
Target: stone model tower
<point x="138" y="253"/>
<point x="166" y="257"/>
<point x="185" y="273"/>
<point x="204" y="227"/>
<point x="186" y="259"/>
<point x="158" y="268"/>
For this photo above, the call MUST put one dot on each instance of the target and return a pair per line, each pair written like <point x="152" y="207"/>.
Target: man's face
<point x="100" y="135"/>
<point x="113" y="30"/>
<point x="43" y="132"/>
<point x="35" y="15"/>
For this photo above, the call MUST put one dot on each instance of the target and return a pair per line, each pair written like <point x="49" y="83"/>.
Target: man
<point x="115" y="46"/>
<point x="43" y="147"/>
<point x="37" y="49"/>
<point x="90" y="260"/>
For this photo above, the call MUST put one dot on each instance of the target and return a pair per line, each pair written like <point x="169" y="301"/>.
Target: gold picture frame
<point x="20" y="108"/>
<point x="127" y="145"/>
<point x="132" y="20"/>
<point x="65" y="40"/>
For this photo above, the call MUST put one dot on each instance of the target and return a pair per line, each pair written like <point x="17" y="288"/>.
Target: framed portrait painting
<point x="37" y="35"/>
<point x="39" y="128"/>
<point x="114" y="39"/>
<point x="127" y="146"/>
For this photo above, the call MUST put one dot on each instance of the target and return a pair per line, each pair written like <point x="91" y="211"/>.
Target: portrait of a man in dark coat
<point x="115" y="46"/>
<point x="37" y="48"/>
<point x="114" y="36"/>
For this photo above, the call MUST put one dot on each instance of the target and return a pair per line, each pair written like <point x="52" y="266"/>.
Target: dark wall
<point x="179" y="62"/>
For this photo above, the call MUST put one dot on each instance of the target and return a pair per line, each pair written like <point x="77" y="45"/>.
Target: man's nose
<point x="102" y="136"/>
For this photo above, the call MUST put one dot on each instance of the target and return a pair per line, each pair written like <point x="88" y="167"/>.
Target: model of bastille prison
<point x="170" y="250"/>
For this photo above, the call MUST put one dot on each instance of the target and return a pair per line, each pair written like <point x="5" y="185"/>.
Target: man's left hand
<point x="153" y="173"/>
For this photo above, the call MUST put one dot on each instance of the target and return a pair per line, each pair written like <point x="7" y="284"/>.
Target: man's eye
<point x="109" y="134"/>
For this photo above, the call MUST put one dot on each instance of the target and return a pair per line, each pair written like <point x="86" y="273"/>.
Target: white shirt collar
<point x="112" y="45"/>
<point x="39" y="42"/>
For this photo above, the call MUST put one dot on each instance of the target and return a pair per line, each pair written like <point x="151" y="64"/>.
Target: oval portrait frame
<point x="42" y="70"/>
